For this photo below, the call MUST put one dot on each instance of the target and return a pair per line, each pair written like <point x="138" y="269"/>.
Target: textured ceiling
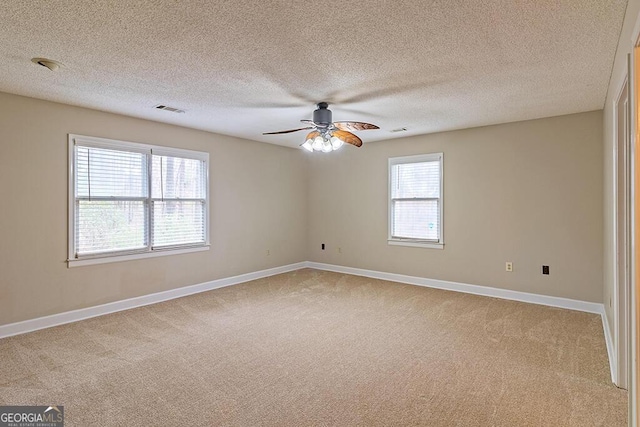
<point x="245" y="67"/>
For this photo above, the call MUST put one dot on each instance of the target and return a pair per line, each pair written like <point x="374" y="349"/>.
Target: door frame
<point x="634" y="79"/>
<point x="622" y="258"/>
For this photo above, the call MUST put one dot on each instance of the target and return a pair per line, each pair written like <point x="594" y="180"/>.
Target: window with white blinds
<point x="415" y="200"/>
<point x="133" y="200"/>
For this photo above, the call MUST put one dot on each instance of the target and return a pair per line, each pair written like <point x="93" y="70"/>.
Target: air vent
<point x="398" y="130"/>
<point x="170" y="109"/>
<point x="47" y="63"/>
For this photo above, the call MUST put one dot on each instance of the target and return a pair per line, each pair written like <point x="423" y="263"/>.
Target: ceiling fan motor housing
<point x="322" y="116"/>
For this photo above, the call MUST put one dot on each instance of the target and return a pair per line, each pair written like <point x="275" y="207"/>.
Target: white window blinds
<point x="178" y="205"/>
<point x="111" y="192"/>
<point x="133" y="198"/>
<point x="415" y="199"/>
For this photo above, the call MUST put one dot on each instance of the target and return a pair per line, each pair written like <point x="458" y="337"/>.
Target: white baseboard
<point x="570" y="304"/>
<point x="86" y="313"/>
<point x="611" y="350"/>
<point x="99" y="310"/>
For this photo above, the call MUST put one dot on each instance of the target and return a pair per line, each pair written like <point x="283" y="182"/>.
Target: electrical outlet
<point x="268" y="252"/>
<point x="323" y="246"/>
<point x="545" y="269"/>
<point x="339" y="250"/>
<point x="509" y="266"/>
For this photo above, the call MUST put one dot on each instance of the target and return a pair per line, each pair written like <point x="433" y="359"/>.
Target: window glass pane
<point x="103" y="226"/>
<point x="415" y="219"/>
<point x="178" y="222"/>
<point x="175" y="177"/>
<point x="421" y="180"/>
<point x="110" y="173"/>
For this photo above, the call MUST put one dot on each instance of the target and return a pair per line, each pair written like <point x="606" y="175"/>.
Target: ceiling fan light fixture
<point x="336" y="142"/>
<point x="318" y="142"/>
<point x="308" y="145"/>
<point x="326" y="135"/>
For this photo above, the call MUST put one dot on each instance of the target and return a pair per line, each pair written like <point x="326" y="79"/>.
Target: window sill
<point x="117" y="258"/>
<point x="415" y="244"/>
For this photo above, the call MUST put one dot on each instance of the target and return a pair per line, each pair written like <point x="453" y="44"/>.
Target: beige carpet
<point x="313" y="348"/>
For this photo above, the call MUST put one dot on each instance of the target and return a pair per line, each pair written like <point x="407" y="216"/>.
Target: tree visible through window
<point x="415" y="199"/>
<point x="133" y="198"/>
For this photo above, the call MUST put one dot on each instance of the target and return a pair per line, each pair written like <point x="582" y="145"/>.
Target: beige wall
<point x="258" y="202"/>
<point x="625" y="45"/>
<point x="527" y="192"/>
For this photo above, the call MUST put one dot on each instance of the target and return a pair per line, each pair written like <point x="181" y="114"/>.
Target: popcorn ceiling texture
<point x="242" y="68"/>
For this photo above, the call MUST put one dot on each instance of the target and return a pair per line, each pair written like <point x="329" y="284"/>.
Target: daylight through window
<point x="415" y="200"/>
<point x="132" y="199"/>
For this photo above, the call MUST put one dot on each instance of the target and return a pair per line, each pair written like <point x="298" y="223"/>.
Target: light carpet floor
<point x="314" y="348"/>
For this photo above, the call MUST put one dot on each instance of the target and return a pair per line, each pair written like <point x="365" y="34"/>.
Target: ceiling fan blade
<point x="348" y="137"/>
<point x="308" y="121"/>
<point x="287" y="131"/>
<point x="354" y="126"/>
<point x="312" y="135"/>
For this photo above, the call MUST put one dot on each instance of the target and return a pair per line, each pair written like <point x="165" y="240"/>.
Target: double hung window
<point x="129" y="200"/>
<point x="416" y="200"/>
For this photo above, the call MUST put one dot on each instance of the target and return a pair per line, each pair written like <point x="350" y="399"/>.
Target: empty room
<point x="288" y="213"/>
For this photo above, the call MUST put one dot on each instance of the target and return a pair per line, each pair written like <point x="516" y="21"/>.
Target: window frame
<point x="149" y="251"/>
<point x="406" y="241"/>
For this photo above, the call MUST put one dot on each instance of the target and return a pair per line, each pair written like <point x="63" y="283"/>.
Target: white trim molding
<point x="570" y="304"/>
<point x="113" y="307"/>
<point x="621" y="257"/>
<point x="611" y="348"/>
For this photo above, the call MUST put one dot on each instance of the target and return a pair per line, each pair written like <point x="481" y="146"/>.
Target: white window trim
<point x="72" y="261"/>
<point x="395" y="241"/>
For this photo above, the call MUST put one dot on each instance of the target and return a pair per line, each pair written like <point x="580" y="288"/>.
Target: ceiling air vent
<point x="398" y="130"/>
<point x="47" y="63"/>
<point x="170" y="109"/>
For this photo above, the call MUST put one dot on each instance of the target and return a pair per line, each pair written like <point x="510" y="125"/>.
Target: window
<point x="129" y="200"/>
<point x="415" y="201"/>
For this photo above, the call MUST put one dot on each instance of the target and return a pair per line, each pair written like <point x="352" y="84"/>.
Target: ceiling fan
<point x="327" y="135"/>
